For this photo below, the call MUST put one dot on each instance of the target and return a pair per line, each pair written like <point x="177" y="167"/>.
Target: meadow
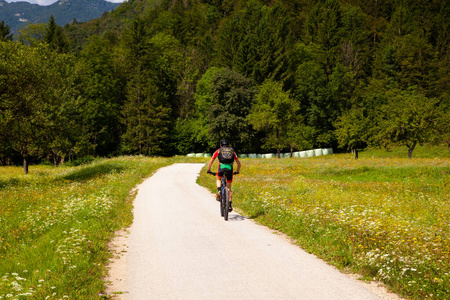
<point x="56" y="224"/>
<point x="381" y="216"/>
<point x="386" y="218"/>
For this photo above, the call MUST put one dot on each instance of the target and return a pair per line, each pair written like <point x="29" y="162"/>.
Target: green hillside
<point x="172" y="77"/>
<point x="19" y="14"/>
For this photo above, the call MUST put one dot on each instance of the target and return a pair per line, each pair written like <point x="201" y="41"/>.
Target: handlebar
<point x="214" y="173"/>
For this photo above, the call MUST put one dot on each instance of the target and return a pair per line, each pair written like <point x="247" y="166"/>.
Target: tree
<point x="32" y="34"/>
<point x="165" y="63"/>
<point x="274" y="112"/>
<point x="418" y="63"/>
<point x="229" y="38"/>
<point x="408" y="118"/>
<point x="351" y="129"/>
<point x="193" y="132"/>
<point x="324" y="28"/>
<point x="401" y="21"/>
<point x="355" y="46"/>
<point x="30" y="93"/>
<point x="146" y="119"/>
<point x="443" y="121"/>
<point x="299" y="135"/>
<point x="316" y="100"/>
<point x="64" y="126"/>
<point x="253" y="41"/>
<point x="232" y="96"/>
<point x="5" y="34"/>
<point x="55" y="37"/>
<point x="101" y="88"/>
<point x="151" y="84"/>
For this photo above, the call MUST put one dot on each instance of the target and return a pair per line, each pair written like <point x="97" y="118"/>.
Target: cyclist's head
<point x="224" y="142"/>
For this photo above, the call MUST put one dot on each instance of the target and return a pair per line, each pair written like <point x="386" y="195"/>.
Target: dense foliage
<point x="170" y="77"/>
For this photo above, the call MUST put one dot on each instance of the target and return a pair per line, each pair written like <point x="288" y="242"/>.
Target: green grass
<point x="384" y="217"/>
<point x="56" y="223"/>
<point x="424" y="151"/>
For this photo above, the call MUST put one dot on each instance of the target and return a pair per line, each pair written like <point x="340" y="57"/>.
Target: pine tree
<point x="146" y="119"/>
<point x="5" y="34"/>
<point x="55" y="37"/>
<point x="324" y="28"/>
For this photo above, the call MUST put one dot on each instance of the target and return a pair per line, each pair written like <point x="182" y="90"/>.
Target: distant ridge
<point x="18" y="14"/>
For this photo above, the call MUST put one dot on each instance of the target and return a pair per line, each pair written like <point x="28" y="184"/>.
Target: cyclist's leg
<point x="220" y="173"/>
<point x="229" y="189"/>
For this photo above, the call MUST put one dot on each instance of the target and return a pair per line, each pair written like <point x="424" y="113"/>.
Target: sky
<point x="48" y="2"/>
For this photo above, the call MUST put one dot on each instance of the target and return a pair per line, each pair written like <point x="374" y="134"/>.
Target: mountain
<point x="18" y="14"/>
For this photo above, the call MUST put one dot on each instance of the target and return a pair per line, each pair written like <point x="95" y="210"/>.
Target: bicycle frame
<point x="225" y="196"/>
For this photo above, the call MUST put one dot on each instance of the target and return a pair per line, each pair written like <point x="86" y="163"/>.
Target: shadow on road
<point x="236" y="217"/>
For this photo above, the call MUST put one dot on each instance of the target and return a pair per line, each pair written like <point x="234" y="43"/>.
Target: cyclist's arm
<point x="210" y="164"/>
<point x="212" y="160"/>
<point x="238" y="163"/>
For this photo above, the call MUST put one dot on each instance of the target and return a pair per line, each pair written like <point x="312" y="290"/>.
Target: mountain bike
<point x="224" y="196"/>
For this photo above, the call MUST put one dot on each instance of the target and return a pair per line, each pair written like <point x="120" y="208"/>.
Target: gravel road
<point x="180" y="248"/>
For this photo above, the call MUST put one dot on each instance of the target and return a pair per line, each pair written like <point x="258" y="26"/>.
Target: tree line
<point x="175" y="77"/>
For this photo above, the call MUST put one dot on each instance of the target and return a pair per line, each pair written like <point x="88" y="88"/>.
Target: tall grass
<point x="56" y="222"/>
<point x="385" y="217"/>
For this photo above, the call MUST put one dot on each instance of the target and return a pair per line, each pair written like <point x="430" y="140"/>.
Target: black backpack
<point x="226" y="155"/>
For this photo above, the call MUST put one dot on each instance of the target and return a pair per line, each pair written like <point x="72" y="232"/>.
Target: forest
<point x="169" y="77"/>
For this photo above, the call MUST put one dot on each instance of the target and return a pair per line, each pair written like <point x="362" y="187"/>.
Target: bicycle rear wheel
<point x="226" y="205"/>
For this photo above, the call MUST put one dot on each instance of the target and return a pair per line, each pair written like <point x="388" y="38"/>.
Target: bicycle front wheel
<point x="221" y="205"/>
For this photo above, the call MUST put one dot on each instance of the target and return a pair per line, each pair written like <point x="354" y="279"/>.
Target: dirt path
<point x="179" y="248"/>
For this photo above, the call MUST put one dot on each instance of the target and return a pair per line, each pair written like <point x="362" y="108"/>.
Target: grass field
<point x="386" y="218"/>
<point x="56" y="222"/>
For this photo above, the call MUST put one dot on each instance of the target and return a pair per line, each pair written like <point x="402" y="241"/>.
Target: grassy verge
<point x="56" y="222"/>
<point x="384" y="217"/>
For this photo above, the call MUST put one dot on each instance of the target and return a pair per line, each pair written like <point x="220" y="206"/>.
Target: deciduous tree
<point x="351" y="129"/>
<point x="232" y="96"/>
<point x="274" y="112"/>
<point x="408" y="118"/>
<point x="32" y="91"/>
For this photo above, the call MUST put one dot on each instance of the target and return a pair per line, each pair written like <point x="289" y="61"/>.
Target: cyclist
<point x="227" y="157"/>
